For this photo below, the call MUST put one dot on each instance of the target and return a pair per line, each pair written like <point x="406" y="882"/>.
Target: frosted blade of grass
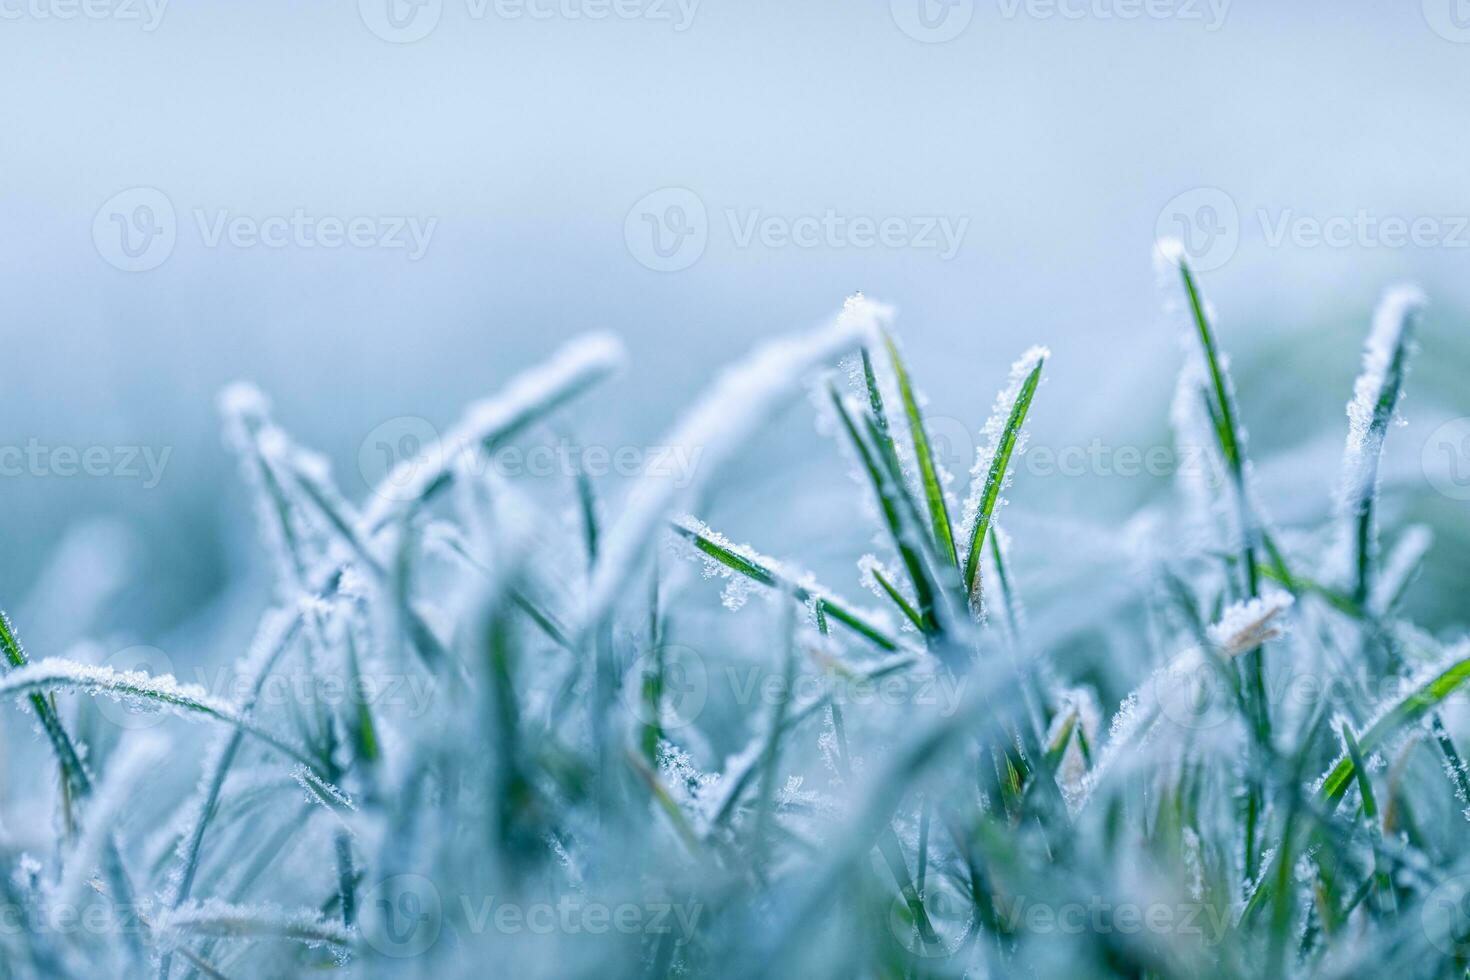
<point x="1003" y="432"/>
<point x="529" y="397"/>
<point x="139" y="688"/>
<point x="928" y="474"/>
<point x="769" y="573"/>
<point x="900" y="520"/>
<point x="1222" y="408"/>
<point x="1407" y="710"/>
<point x="76" y="781"/>
<point x="217" y="919"/>
<point x="731" y="409"/>
<point x="1376" y="396"/>
<point x="870" y="568"/>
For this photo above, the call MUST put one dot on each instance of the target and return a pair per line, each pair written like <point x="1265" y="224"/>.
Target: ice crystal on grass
<point x="1246" y="625"/>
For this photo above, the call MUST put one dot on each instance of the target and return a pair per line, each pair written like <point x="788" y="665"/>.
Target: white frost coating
<point x="991" y="434"/>
<point x="1392" y="322"/>
<point x="582" y="362"/>
<point x="217" y="918"/>
<point x="728" y="412"/>
<point x="134" y="687"/>
<point x="1246" y="625"/>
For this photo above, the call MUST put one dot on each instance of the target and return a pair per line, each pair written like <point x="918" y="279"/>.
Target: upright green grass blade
<point x="1375" y="399"/>
<point x="995" y="478"/>
<point x="891" y="507"/>
<point x="928" y="474"/>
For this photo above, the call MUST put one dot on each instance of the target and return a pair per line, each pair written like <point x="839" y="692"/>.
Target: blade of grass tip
<point x="928" y="474"/>
<point x="652" y="694"/>
<point x="1413" y="706"/>
<point x="909" y="612"/>
<point x="1376" y="396"/>
<point x="422" y="471"/>
<point x="763" y="573"/>
<point x="887" y="494"/>
<point x="875" y="407"/>
<point x="989" y="491"/>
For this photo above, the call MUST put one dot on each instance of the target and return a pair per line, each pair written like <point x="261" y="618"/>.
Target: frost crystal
<point x="1246" y="625"/>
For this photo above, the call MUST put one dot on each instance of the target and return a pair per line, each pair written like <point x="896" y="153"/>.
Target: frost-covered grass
<point x="514" y="741"/>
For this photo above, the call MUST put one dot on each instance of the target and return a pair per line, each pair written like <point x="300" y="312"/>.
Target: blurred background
<point x="381" y="210"/>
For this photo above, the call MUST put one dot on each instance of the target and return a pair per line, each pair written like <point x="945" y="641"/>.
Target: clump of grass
<point x="591" y="777"/>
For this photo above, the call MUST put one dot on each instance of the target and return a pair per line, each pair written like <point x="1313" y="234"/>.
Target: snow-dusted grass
<point x="599" y="774"/>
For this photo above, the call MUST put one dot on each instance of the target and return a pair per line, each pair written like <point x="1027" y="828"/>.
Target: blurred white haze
<point x="1044" y="150"/>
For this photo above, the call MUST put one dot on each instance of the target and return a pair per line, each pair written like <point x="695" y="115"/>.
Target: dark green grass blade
<point x="928" y="473"/>
<point x="903" y="604"/>
<point x="995" y="479"/>
<point x="756" y="572"/>
<point x="892" y="509"/>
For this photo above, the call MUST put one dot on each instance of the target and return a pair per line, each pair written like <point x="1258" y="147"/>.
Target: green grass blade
<point x="995" y="477"/>
<point x="910" y="613"/>
<point x="891" y="508"/>
<point x="758" y="572"/>
<point x="928" y="473"/>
